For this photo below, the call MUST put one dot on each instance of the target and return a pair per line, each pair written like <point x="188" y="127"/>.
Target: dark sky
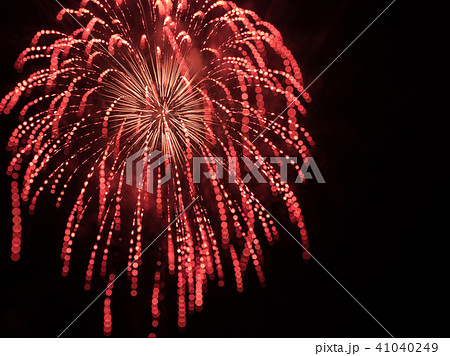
<point x="377" y="225"/>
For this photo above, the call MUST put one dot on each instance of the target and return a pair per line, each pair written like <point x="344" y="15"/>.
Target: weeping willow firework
<point x="187" y="78"/>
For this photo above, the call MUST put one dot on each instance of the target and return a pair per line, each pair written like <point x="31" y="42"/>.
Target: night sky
<point x="378" y="225"/>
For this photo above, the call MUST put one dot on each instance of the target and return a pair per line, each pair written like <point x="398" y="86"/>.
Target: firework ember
<point x="194" y="78"/>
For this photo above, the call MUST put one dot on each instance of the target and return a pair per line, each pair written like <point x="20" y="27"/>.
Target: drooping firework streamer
<point x="197" y="78"/>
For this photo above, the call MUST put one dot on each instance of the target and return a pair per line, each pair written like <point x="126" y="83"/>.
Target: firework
<point x="186" y="78"/>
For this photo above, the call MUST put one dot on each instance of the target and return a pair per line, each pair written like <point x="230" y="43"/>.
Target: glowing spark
<point x="195" y="78"/>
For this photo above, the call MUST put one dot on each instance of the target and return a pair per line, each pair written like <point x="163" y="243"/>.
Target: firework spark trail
<point x="188" y="78"/>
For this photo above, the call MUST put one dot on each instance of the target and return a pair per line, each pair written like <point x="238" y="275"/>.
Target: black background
<point x="378" y="224"/>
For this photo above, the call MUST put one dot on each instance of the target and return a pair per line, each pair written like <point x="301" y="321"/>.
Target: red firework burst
<point x="187" y="78"/>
